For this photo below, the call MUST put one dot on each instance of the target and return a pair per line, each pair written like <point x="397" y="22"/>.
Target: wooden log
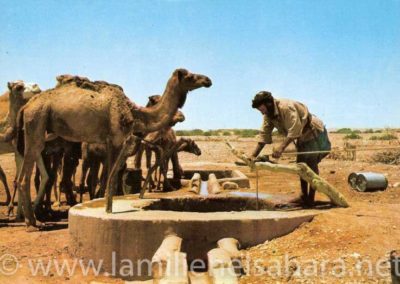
<point x="159" y="262"/>
<point x="395" y="266"/>
<point x="195" y="183"/>
<point x="199" y="278"/>
<point x="177" y="269"/>
<point x="220" y="267"/>
<point x="213" y="186"/>
<point x="300" y="169"/>
<point x="230" y="185"/>
<point x="231" y="246"/>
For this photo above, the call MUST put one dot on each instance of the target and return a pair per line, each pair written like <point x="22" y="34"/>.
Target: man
<point x="298" y="125"/>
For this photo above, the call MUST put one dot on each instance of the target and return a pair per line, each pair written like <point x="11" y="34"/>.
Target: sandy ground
<point x="339" y="246"/>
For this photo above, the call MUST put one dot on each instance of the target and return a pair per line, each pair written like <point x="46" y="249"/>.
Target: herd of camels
<point x="95" y="121"/>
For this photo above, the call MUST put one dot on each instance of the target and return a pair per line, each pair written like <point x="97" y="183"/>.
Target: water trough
<point x="138" y="226"/>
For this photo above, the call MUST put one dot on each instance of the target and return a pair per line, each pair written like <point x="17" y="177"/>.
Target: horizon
<point x="340" y="58"/>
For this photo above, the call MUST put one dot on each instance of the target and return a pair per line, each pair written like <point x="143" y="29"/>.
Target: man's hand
<point x="277" y="153"/>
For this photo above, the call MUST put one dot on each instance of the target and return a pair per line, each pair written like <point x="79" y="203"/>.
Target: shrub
<point x="194" y="132"/>
<point x="344" y="131"/>
<point x="226" y="133"/>
<point x="370" y="130"/>
<point x="386" y="136"/>
<point x="248" y="133"/>
<point x="352" y="135"/>
<point x="207" y="133"/>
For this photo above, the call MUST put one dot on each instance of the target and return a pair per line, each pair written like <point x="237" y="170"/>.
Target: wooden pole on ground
<point x="213" y="186"/>
<point x="195" y="183"/>
<point x="300" y="169"/>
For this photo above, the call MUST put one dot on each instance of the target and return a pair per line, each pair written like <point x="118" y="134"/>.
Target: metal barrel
<point x="352" y="180"/>
<point x="371" y="181"/>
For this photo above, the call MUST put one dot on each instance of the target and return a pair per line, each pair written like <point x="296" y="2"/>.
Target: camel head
<point x="153" y="100"/>
<point x="190" y="146"/>
<point x="20" y="91"/>
<point x="161" y="115"/>
<point x="178" y="117"/>
<point x="189" y="81"/>
<point x="16" y="92"/>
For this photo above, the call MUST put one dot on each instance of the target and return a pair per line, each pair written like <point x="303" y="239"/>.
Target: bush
<point x="226" y="133"/>
<point x="344" y="131"/>
<point x="207" y="133"/>
<point x="248" y="133"/>
<point x="352" y="135"/>
<point x="386" y="136"/>
<point x="194" y="132"/>
<point x="370" y="130"/>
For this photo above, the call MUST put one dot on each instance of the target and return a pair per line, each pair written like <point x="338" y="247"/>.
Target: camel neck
<point x="161" y="115"/>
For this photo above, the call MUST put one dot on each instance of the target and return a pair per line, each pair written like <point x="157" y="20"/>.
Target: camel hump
<point x="85" y="83"/>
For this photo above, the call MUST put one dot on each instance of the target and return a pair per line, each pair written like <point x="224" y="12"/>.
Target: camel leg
<point x="103" y="181"/>
<point x="93" y="178"/>
<point x="24" y="191"/>
<point x="4" y="181"/>
<point x="56" y="165"/>
<point x="148" y="178"/>
<point x="177" y="170"/>
<point x="167" y="186"/>
<point x="44" y="178"/>
<point x="67" y="184"/>
<point x="117" y="165"/>
<point x="18" y="164"/>
<point x="85" y="168"/>
<point x="148" y="153"/>
<point x="138" y="156"/>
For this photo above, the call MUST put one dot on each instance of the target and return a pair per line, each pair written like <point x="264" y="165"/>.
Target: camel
<point x="95" y="154"/>
<point x="163" y="155"/>
<point x="18" y="94"/>
<point x="164" y="138"/>
<point x="79" y="110"/>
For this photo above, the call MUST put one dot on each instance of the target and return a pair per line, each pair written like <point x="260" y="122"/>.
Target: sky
<point x="341" y="58"/>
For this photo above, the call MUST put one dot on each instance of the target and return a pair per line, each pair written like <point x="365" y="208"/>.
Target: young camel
<point x="95" y="112"/>
<point x="163" y="155"/>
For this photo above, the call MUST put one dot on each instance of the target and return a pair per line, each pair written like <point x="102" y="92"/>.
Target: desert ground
<point x="340" y="245"/>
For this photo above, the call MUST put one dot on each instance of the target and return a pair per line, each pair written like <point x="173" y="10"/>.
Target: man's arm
<point x="278" y="152"/>
<point x="258" y="149"/>
<point x="265" y="137"/>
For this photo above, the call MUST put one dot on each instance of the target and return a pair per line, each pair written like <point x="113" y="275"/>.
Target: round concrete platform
<point x="137" y="227"/>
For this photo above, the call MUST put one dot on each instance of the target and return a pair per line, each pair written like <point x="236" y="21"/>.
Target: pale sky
<point x="341" y="58"/>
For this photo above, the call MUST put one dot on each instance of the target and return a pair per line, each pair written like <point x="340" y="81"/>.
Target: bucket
<point x="371" y="182"/>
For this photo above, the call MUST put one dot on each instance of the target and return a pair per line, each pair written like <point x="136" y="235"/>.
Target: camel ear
<point x="9" y="85"/>
<point x="181" y="73"/>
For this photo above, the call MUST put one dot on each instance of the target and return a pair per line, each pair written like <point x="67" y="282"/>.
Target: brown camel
<point x="18" y="94"/>
<point x="94" y="155"/>
<point x="95" y="112"/>
<point x="163" y="155"/>
<point x="164" y="138"/>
